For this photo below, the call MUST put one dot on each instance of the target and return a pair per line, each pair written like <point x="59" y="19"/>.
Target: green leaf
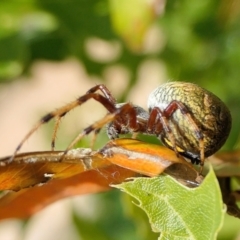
<point x="178" y="212"/>
<point x="132" y="19"/>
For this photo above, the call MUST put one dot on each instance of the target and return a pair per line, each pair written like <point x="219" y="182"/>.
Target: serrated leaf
<point x="178" y="212"/>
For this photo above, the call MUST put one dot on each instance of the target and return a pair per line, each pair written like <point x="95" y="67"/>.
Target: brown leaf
<point x="30" y="169"/>
<point x="145" y="158"/>
<point x="226" y="164"/>
<point x="28" y="201"/>
<point x="41" y="179"/>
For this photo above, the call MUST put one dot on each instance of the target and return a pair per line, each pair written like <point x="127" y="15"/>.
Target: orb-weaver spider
<point x="187" y="118"/>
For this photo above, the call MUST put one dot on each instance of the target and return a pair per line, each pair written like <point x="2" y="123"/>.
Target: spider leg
<point x="56" y="126"/>
<point x="107" y="101"/>
<point x="95" y="133"/>
<point x="106" y="93"/>
<point x="93" y="127"/>
<point x="130" y="120"/>
<point x="175" y="105"/>
<point x="135" y="135"/>
<point x="158" y="121"/>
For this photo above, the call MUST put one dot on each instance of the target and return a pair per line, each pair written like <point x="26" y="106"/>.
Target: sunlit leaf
<point x="148" y="159"/>
<point x="42" y="179"/>
<point x="178" y="212"/>
<point x="29" y="169"/>
<point x="28" y="201"/>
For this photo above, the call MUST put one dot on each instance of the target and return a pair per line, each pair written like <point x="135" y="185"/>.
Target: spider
<point x="185" y="117"/>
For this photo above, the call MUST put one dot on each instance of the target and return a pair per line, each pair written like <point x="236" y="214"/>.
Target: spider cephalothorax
<point x="187" y="118"/>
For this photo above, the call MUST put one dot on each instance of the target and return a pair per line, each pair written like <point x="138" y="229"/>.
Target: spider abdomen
<point x="209" y="113"/>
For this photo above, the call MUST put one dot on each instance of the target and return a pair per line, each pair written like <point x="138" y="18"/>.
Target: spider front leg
<point x="106" y="100"/>
<point x="124" y="116"/>
<point x="106" y="93"/>
<point x="159" y="121"/>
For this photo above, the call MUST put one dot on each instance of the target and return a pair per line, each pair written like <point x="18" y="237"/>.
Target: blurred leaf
<point x="89" y="230"/>
<point x="107" y="219"/>
<point x="13" y="56"/>
<point x="176" y="211"/>
<point x="132" y="19"/>
<point x="20" y="23"/>
<point x="78" y="21"/>
<point x="12" y="14"/>
<point x="226" y="164"/>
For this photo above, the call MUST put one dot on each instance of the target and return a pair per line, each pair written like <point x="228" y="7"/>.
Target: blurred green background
<point x="196" y="41"/>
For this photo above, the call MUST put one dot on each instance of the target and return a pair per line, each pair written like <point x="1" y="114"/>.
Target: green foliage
<point x="201" y="38"/>
<point x="110" y="223"/>
<point x="178" y="212"/>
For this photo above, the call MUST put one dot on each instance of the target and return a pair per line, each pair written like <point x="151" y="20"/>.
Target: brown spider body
<point x="115" y="128"/>
<point x="208" y="112"/>
<point x="188" y="119"/>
